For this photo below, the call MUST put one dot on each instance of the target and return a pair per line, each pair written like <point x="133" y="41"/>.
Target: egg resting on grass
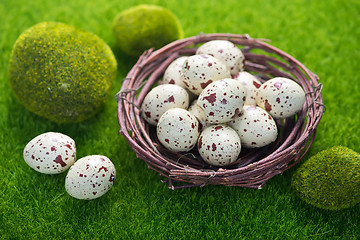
<point x="329" y="179"/>
<point x="90" y="177"/>
<point x="145" y="26"/>
<point x="50" y="153"/>
<point x="60" y="72"/>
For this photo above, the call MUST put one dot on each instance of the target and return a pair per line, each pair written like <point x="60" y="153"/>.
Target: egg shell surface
<point x="219" y="145"/>
<point x="226" y="51"/>
<point x="255" y="127"/>
<point x="90" y="177"/>
<point x="222" y="100"/>
<point x="162" y="98"/>
<point x="199" y="113"/>
<point x="178" y="130"/>
<point x="50" y="153"/>
<point x="173" y="72"/>
<point x="251" y="83"/>
<point x="281" y="97"/>
<point x="198" y="71"/>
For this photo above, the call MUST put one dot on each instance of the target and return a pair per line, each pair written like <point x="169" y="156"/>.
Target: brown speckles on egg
<point x="256" y="84"/>
<point x="171" y="99"/>
<point x="203" y="85"/>
<point x="59" y="160"/>
<point x="213" y="147"/>
<point x="211" y="98"/>
<point x="267" y="106"/>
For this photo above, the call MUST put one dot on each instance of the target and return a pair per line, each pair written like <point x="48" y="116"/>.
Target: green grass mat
<point x="324" y="35"/>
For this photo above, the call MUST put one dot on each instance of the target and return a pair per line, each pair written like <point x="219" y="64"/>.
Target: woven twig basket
<point x="254" y="167"/>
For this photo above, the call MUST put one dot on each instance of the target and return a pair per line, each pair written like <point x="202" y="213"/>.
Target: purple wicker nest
<point x="254" y="167"/>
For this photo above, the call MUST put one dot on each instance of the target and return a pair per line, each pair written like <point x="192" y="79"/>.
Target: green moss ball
<point x="330" y="179"/>
<point x="60" y="72"/>
<point x="145" y="26"/>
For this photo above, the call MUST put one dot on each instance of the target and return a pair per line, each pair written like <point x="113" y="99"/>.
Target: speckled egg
<point x="281" y="97"/>
<point x="255" y="127"/>
<point x="251" y="83"/>
<point x="160" y="99"/>
<point x="199" y="113"/>
<point x="198" y="71"/>
<point x="90" y="177"/>
<point x="222" y="100"/>
<point x="226" y="51"/>
<point x="50" y="153"/>
<point x="219" y="145"/>
<point x="178" y="130"/>
<point x="173" y="72"/>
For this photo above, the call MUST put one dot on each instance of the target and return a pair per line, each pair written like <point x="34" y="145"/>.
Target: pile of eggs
<point x="208" y="100"/>
<point x="88" y="178"/>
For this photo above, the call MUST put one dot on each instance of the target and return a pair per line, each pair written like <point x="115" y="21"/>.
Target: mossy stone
<point x="330" y="179"/>
<point x="145" y="26"/>
<point x="60" y="72"/>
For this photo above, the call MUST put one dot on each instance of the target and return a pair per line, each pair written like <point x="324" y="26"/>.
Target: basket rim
<point x="149" y="68"/>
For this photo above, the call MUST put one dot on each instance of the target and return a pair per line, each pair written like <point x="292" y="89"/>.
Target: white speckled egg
<point x="199" y="113"/>
<point x="226" y="51"/>
<point x="281" y="97"/>
<point x="90" y="177"/>
<point x="222" y="100"/>
<point x="251" y="83"/>
<point x="50" y="153"/>
<point x="173" y="72"/>
<point x="255" y="127"/>
<point x="160" y="99"/>
<point x="178" y="130"/>
<point x="198" y="71"/>
<point x="219" y="145"/>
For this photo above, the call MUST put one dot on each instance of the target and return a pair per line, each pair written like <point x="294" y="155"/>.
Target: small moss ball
<point x="60" y="72"/>
<point x="145" y="26"/>
<point x="330" y="179"/>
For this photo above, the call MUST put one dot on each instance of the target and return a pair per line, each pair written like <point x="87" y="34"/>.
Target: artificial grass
<point x="321" y="34"/>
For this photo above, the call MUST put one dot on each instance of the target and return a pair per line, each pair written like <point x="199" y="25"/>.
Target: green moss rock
<point x="330" y="179"/>
<point x="145" y="26"/>
<point x="60" y="72"/>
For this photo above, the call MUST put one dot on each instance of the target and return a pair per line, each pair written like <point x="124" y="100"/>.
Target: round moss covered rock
<point x="145" y="26"/>
<point x="330" y="179"/>
<point x="60" y="72"/>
